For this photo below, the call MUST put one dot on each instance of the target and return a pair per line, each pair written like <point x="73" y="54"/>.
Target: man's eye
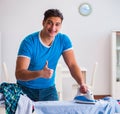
<point x="58" y="24"/>
<point x="50" y="23"/>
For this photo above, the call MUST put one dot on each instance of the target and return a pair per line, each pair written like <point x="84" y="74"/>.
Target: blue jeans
<point x="47" y="94"/>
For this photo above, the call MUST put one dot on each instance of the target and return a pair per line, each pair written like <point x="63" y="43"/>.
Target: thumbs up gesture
<point x="47" y="72"/>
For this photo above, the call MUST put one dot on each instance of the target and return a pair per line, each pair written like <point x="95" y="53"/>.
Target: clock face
<point x="85" y="9"/>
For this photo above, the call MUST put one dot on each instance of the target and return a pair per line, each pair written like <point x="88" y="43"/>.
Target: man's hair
<point x="52" y="13"/>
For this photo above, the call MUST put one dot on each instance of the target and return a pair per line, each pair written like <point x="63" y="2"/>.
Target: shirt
<point x="38" y="53"/>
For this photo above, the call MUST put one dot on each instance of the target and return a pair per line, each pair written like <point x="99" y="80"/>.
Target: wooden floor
<point x="100" y="96"/>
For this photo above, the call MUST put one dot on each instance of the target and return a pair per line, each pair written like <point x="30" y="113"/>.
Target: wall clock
<point x="85" y="9"/>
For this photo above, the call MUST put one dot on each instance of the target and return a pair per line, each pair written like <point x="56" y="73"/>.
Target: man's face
<point x="52" y="26"/>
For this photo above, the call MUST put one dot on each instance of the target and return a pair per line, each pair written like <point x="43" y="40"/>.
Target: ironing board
<point x="70" y="107"/>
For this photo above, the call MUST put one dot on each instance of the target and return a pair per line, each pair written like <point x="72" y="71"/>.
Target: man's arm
<point x="75" y="71"/>
<point x="22" y="72"/>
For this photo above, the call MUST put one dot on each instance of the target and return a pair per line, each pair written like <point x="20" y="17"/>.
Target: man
<point x="38" y="56"/>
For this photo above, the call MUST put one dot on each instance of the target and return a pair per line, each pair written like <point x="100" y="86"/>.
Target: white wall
<point x="90" y="35"/>
<point x="0" y="58"/>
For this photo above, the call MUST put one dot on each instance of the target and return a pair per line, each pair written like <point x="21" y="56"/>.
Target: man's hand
<point x="83" y="88"/>
<point x="47" y="72"/>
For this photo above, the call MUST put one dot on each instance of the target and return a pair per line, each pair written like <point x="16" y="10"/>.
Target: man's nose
<point x="53" y="27"/>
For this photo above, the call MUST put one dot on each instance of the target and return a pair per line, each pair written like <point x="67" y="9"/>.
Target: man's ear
<point x="43" y="22"/>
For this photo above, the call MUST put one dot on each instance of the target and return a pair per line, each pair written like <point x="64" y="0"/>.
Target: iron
<point x="85" y="98"/>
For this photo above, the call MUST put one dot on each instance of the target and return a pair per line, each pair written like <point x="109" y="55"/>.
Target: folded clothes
<point x="2" y="103"/>
<point x="11" y="93"/>
<point x="1" y="97"/>
<point x="25" y="105"/>
<point x="118" y="101"/>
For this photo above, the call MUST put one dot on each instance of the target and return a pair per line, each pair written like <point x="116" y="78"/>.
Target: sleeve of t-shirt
<point x="25" y="49"/>
<point x="67" y="44"/>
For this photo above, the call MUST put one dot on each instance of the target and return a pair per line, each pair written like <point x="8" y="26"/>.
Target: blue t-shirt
<point x="38" y="53"/>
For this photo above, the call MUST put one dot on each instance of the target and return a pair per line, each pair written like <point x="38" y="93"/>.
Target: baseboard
<point x="100" y="96"/>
